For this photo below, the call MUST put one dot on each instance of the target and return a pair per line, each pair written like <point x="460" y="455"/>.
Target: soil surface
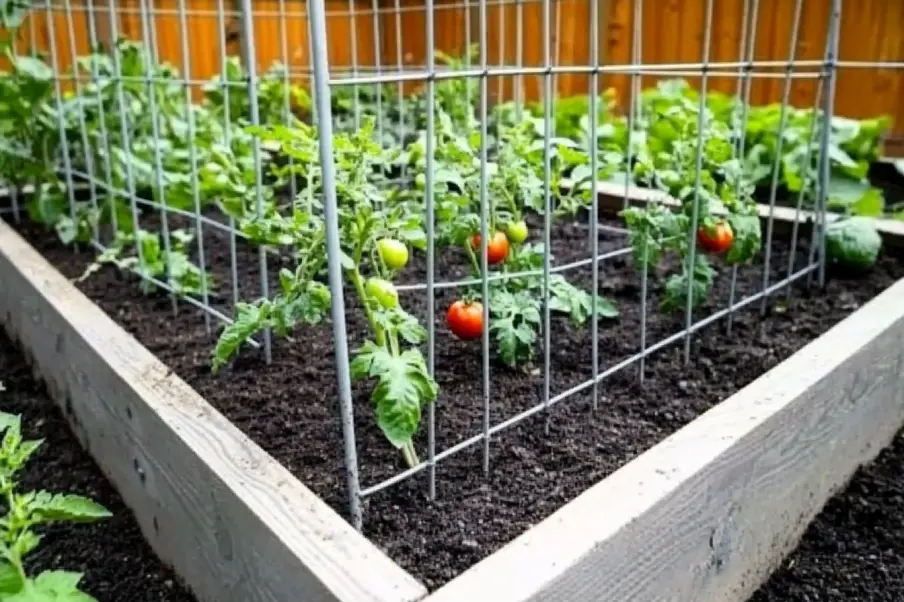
<point x="854" y="550"/>
<point x="290" y="406"/>
<point x="118" y="563"/>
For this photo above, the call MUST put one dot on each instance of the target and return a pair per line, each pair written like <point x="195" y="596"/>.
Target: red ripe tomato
<point x="497" y="248"/>
<point x="717" y="239"/>
<point x="465" y="319"/>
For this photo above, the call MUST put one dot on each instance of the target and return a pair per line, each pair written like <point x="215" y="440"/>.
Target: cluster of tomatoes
<point x="465" y="317"/>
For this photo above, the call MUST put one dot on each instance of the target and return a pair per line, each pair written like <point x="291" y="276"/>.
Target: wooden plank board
<point x="707" y="514"/>
<point x="612" y="195"/>
<point x="231" y="521"/>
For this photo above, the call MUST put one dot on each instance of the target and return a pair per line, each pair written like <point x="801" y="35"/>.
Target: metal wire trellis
<point x="102" y="179"/>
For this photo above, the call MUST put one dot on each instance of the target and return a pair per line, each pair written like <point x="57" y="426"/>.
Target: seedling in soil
<point x="24" y="513"/>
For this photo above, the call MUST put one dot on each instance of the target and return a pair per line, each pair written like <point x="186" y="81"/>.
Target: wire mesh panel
<point x="428" y="186"/>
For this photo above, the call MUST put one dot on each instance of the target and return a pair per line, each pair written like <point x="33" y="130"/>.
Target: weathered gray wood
<point x="611" y="200"/>
<point x="708" y="513"/>
<point x="233" y="522"/>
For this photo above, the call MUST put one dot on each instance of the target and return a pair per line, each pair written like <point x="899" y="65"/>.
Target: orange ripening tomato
<point x="465" y="319"/>
<point x="718" y="239"/>
<point x="497" y="248"/>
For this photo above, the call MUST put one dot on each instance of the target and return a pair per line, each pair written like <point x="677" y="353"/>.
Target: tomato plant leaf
<point x="676" y="287"/>
<point x="54" y="507"/>
<point x="403" y="387"/>
<point x="514" y="323"/>
<point x="249" y="320"/>
<point x="10" y="579"/>
<point x="747" y="238"/>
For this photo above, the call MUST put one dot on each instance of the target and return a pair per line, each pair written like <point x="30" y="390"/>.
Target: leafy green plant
<point x="669" y="163"/>
<point x="516" y="303"/>
<point x="145" y="254"/>
<point x="279" y="101"/>
<point x="853" y="242"/>
<point x="368" y="217"/>
<point x="24" y="513"/>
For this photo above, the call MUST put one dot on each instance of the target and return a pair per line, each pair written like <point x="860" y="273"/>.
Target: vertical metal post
<point x="58" y="99"/>
<point x="594" y="197"/>
<point x="804" y="189"/>
<point x="102" y="114"/>
<point x="695" y="209"/>
<point x="378" y="50"/>
<point x="353" y="43"/>
<point x="287" y="87"/>
<point x="193" y="158"/>
<point x="251" y="68"/>
<point x="322" y="86"/>
<point x="431" y="244"/>
<point x="745" y="56"/>
<point x="87" y="148"/>
<point x="400" y="85"/>
<point x="828" y="109"/>
<point x="484" y="228"/>
<point x="227" y="139"/>
<point x="150" y="56"/>
<point x="124" y="124"/>
<point x="633" y="114"/>
<point x="779" y="147"/>
<point x="547" y="207"/>
<point x="518" y="92"/>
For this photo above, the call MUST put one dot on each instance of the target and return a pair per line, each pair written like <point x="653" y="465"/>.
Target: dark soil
<point x="854" y="550"/>
<point x="290" y="406"/>
<point x="118" y="563"/>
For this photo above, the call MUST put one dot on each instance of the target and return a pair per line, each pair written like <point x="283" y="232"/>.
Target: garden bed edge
<point x="708" y="513"/>
<point x="611" y="200"/>
<point x="233" y="522"/>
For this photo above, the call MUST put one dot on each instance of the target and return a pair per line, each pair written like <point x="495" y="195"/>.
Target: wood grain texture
<point x="671" y="32"/>
<point x="233" y="522"/>
<point x="611" y="201"/>
<point x="707" y="514"/>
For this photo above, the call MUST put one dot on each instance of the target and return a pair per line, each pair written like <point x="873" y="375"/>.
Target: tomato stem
<point x="472" y="256"/>
<point x="410" y="455"/>
<point x="394" y="342"/>
<point x="359" y="288"/>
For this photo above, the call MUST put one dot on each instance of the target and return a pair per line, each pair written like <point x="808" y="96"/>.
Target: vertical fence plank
<point x="671" y="34"/>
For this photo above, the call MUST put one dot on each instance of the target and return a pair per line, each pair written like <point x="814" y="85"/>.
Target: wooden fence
<point x="394" y="33"/>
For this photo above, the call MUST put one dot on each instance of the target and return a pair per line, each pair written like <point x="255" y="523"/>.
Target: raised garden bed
<point x="854" y="549"/>
<point x="288" y="408"/>
<point x="112" y="553"/>
<point x="217" y="467"/>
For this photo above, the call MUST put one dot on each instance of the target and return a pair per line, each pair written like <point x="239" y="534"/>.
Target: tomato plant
<point x="669" y="164"/>
<point x="27" y="512"/>
<point x="465" y="319"/>
<point x="375" y="229"/>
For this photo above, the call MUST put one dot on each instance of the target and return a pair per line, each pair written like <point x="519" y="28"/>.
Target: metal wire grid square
<point x="82" y="174"/>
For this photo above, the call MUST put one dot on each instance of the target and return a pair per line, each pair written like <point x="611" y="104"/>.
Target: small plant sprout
<point x="25" y="511"/>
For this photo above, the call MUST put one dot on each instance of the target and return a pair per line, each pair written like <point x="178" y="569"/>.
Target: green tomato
<point x="383" y="291"/>
<point x="394" y="253"/>
<point x="517" y="232"/>
<point x="420" y="181"/>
